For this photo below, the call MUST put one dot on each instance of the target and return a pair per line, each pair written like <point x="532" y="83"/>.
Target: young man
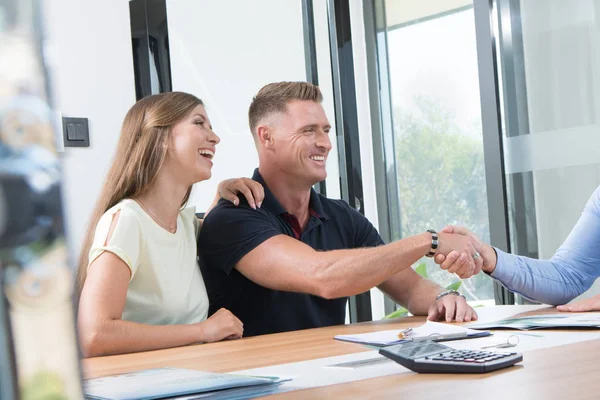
<point x="291" y="263"/>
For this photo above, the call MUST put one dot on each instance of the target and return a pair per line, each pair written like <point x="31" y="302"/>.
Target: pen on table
<point x="438" y="337"/>
<point x="404" y="333"/>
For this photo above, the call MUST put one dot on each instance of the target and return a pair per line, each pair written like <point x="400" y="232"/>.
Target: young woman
<point x="141" y="288"/>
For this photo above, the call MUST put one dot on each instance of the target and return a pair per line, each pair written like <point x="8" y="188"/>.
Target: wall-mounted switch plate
<point x="76" y="132"/>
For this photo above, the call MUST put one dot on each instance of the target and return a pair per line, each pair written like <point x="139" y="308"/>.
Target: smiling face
<point x="191" y="147"/>
<point x="297" y="141"/>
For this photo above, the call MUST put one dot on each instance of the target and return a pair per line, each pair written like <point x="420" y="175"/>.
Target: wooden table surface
<point x="566" y="372"/>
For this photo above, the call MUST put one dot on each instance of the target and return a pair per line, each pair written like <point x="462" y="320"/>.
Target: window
<point x="548" y="66"/>
<point x="436" y="124"/>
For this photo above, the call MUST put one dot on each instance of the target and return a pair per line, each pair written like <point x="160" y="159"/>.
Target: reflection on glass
<point x="549" y="62"/>
<point x="437" y="127"/>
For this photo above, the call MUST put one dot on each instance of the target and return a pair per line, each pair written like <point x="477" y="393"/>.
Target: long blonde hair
<point x="141" y="152"/>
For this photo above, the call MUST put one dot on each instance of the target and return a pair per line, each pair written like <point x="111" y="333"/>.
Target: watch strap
<point x="434" y="243"/>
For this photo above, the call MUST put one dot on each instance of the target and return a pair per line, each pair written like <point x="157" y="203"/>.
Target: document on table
<point x="370" y="364"/>
<point x="546" y="321"/>
<point x="429" y="331"/>
<point x="171" y="382"/>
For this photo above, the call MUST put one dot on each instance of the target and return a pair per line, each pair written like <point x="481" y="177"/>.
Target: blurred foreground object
<point x="39" y="356"/>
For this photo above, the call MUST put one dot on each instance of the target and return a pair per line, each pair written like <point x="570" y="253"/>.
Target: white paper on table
<point x="388" y="337"/>
<point x="527" y="341"/>
<point x="495" y="313"/>
<point x="556" y="321"/>
<point x="369" y="364"/>
<point x="568" y="319"/>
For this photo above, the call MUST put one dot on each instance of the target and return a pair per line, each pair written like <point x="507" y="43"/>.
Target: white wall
<point x="91" y="62"/>
<point x="226" y="59"/>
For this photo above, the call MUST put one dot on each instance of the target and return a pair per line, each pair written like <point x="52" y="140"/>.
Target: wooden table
<point x="566" y="372"/>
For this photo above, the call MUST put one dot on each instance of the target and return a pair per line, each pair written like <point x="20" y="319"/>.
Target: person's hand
<point x="252" y="190"/>
<point x="591" y="304"/>
<point x="221" y="325"/>
<point x="451" y="308"/>
<point x="462" y="251"/>
<point x="450" y="262"/>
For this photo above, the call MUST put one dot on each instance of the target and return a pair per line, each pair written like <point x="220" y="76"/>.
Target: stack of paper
<point x="556" y="321"/>
<point x="173" y="382"/>
<point x="430" y="331"/>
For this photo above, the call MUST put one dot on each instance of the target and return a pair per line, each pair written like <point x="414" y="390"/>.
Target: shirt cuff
<point x="506" y="266"/>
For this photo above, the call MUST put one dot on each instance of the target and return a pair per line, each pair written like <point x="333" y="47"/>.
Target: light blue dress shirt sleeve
<point x="570" y="272"/>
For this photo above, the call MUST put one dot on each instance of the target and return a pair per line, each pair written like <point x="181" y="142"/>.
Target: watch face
<point x="419" y="350"/>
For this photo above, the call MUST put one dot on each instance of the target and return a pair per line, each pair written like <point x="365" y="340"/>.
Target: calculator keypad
<point x="470" y="356"/>
<point x="438" y="358"/>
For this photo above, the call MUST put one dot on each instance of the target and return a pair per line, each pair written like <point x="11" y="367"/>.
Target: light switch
<point x="76" y="132"/>
<point x="72" y="132"/>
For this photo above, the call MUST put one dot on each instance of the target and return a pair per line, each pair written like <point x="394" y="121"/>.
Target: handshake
<point x="462" y="253"/>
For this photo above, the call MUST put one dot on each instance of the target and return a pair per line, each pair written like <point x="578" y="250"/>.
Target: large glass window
<point x="549" y="63"/>
<point x="437" y="130"/>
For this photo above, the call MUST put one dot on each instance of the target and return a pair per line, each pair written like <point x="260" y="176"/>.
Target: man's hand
<point x="591" y="304"/>
<point x="451" y="308"/>
<point x="452" y="262"/>
<point x="252" y="190"/>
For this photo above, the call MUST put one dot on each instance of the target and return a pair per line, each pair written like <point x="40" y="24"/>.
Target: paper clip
<point x="512" y="341"/>
<point x="404" y="333"/>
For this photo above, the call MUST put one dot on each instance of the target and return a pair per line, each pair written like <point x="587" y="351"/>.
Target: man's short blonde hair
<point x="274" y="97"/>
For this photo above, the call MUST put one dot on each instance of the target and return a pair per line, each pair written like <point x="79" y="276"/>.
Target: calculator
<point x="429" y="356"/>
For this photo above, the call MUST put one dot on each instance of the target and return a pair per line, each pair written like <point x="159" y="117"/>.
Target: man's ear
<point x="264" y="136"/>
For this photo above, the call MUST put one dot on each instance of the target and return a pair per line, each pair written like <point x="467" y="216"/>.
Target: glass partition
<point x="549" y="63"/>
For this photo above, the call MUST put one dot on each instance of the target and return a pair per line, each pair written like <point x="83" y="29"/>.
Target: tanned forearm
<point x="422" y="295"/>
<point x="411" y="291"/>
<point x="283" y="263"/>
<point x="348" y="272"/>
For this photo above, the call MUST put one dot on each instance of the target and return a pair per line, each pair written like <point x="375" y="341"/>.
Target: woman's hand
<point x="229" y="189"/>
<point x="589" y="304"/>
<point x="221" y="325"/>
<point x="253" y="191"/>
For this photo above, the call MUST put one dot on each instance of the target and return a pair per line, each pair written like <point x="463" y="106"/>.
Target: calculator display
<point x="420" y="350"/>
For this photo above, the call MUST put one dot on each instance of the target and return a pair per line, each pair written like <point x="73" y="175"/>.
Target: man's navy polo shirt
<point x="229" y="233"/>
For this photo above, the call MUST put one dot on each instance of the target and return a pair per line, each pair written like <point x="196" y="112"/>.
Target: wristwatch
<point x="434" y="243"/>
